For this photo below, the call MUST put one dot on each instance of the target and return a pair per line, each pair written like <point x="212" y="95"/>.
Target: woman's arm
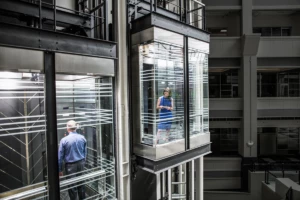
<point x="172" y="104"/>
<point x="158" y="104"/>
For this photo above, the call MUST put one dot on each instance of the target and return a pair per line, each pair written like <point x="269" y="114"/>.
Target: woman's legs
<point x="167" y="135"/>
<point x="157" y="136"/>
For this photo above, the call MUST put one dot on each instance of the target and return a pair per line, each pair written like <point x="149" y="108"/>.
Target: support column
<point x="248" y="139"/>
<point x="158" y="187"/>
<point x="169" y="184"/>
<point x="248" y="78"/>
<point x="51" y="127"/>
<point x="247" y="16"/>
<point x="199" y="179"/>
<point x="121" y="103"/>
<point x="192" y="180"/>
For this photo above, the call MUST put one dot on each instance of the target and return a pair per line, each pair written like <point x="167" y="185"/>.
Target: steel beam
<point x="173" y="161"/>
<point x="186" y="94"/>
<point x="33" y="38"/>
<point x="161" y="21"/>
<point x="51" y="127"/>
<point x="34" y="10"/>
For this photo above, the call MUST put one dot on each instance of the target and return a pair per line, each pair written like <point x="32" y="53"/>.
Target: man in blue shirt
<point x="72" y="150"/>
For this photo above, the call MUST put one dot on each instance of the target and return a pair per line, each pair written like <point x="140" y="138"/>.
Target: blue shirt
<point x="72" y="148"/>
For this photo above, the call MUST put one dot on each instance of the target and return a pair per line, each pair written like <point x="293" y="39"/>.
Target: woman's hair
<point x="167" y="89"/>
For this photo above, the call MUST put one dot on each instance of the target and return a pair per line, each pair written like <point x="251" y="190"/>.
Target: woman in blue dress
<point x="165" y="105"/>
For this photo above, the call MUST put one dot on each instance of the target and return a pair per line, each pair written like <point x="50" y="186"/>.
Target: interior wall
<point x="231" y="21"/>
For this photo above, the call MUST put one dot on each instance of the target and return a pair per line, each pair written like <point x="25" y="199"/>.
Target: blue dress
<point x="165" y="114"/>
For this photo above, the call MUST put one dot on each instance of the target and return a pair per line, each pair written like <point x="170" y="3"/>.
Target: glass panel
<point x="223" y="84"/>
<point x="198" y="84"/>
<point x="283" y="90"/>
<point x="214" y="78"/>
<point x="161" y="90"/>
<point x="22" y="130"/>
<point x="86" y="137"/>
<point x="266" y="31"/>
<point x="276" y="31"/>
<point x="257" y="30"/>
<point x="286" y="31"/>
<point x="214" y="91"/>
<point x="283" y="77"/>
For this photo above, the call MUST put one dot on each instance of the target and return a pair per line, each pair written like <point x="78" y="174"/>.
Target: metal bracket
<point x="134" y="167"/>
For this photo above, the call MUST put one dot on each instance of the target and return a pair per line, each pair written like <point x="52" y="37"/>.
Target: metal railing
<point x="191" y="12"/>
<point x="36" y="190"/>
<point x="270" y="167"/>
<point x="86" y="18"/>
<point x="289" y="194"/>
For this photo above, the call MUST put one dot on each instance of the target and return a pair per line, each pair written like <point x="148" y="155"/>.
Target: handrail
<point x="257" y="165"/>
<point x="289" y="194"/>
<point x="42" y="189"/>
<point x="89" y="16"/>
<point x="184" y="13"/>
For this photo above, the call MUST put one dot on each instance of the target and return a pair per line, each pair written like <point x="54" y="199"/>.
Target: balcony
<point x="225" y="47"/>
<point x="279" y="47"/>
<point x="278" y="107"/>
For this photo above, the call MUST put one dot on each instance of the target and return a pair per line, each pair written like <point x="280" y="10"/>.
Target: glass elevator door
<point x="88" y="100"/>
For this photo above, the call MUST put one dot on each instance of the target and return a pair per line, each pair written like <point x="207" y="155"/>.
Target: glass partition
<point x="87" y="102"/>
<point x="22" y="131"/>
<point x="161" y="91"/>
<point x="198" y="86"/>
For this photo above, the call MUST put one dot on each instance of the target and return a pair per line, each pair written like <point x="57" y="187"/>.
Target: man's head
<point x="71" y="126"/>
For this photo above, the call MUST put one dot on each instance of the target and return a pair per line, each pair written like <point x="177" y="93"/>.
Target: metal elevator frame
<point x="51" y="42"/>
<point x="193" y="158"/>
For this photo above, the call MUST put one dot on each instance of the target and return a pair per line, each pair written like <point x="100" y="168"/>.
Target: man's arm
<point x="85" y="150"/>
<point x="61" y="156"/>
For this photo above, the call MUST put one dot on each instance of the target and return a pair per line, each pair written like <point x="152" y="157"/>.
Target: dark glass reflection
<point x="223" y="84"/>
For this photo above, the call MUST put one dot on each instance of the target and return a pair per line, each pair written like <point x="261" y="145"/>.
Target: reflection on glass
<point x="85" y="115"/>
<point x="288" y="141"/>
<point x="161" y="80"/>
<point x="224" y="141"/>
<point x="22" y="130"/>
<point x="198" y="85"/>
<point x="223" y="84"/>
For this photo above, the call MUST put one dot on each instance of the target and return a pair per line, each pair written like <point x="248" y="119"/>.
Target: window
<point x="161" y="79"/>
<point x="287" y="141"/>
<point x="267" y="84"/>
<point x="278" y="141"/>
<point x="22" y="134"/>
<point x="273" y="31"/>
<point x="224" y="141"/>
<point x="198" y="86"/>
<point x="218" y="32"/>
<point x="223" y="84"/>
<point x="278" y="84"/>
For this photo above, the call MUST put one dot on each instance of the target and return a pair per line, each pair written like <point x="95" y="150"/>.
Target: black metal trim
<point x="204" y="18"/>
<point x="145" y="5"/>
<point x="157" y="20"/>
<point x="105" y="10"/>
<point x="51" y="127"/>
<point x="33" y="38"/>
<point x="186" y="4"/>
<point x="186" y="94"/>
<point x="47" y="12"/>
<point x="115" y="33"/>
<point x="160" y="165"/>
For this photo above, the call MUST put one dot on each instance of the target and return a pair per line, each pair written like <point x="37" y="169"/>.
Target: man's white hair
<point x="72" y="124"/>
